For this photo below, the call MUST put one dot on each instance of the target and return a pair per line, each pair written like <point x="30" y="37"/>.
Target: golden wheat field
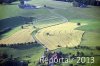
<point x="63" y="35"/>
<point x="22" y="36"/>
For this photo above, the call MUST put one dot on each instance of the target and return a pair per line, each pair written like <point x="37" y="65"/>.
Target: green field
<point x="31" y="53"/>
<point x="46" y="17"/>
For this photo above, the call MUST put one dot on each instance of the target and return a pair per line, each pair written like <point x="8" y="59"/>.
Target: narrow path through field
<point x="62" y="17"/>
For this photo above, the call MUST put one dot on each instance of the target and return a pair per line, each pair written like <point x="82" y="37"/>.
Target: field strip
<point x="63" y="35"/>
<point x="48" y="19"/>
<point x="22" y="36"/>
<point x="53" y="12"/>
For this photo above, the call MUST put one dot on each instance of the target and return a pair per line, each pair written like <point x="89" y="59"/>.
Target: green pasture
<point x="31" y="53"/>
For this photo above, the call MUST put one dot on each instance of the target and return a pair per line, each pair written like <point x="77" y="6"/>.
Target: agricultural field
<point x="61" y="35"/>
<point x="54" y="27"/>
<point x="21" y="36"/>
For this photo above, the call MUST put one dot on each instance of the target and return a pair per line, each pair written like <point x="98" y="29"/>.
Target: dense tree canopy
<point x="6" y="1"/>
<point x="88" y="2"/>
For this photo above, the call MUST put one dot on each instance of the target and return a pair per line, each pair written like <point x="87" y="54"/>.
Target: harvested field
<point x="62" y="35"/>
<point x="22" y="36"/>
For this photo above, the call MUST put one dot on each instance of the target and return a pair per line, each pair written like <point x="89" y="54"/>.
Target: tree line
<point x="88" y="2"/>
<point x="7" y="1"/>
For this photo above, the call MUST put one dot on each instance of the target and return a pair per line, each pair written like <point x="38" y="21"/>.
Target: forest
<point x="87" y="2"/>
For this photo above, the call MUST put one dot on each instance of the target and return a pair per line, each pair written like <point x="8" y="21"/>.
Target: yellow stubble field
<point x="62" y="35"/>
<point x="21" y="36"/>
